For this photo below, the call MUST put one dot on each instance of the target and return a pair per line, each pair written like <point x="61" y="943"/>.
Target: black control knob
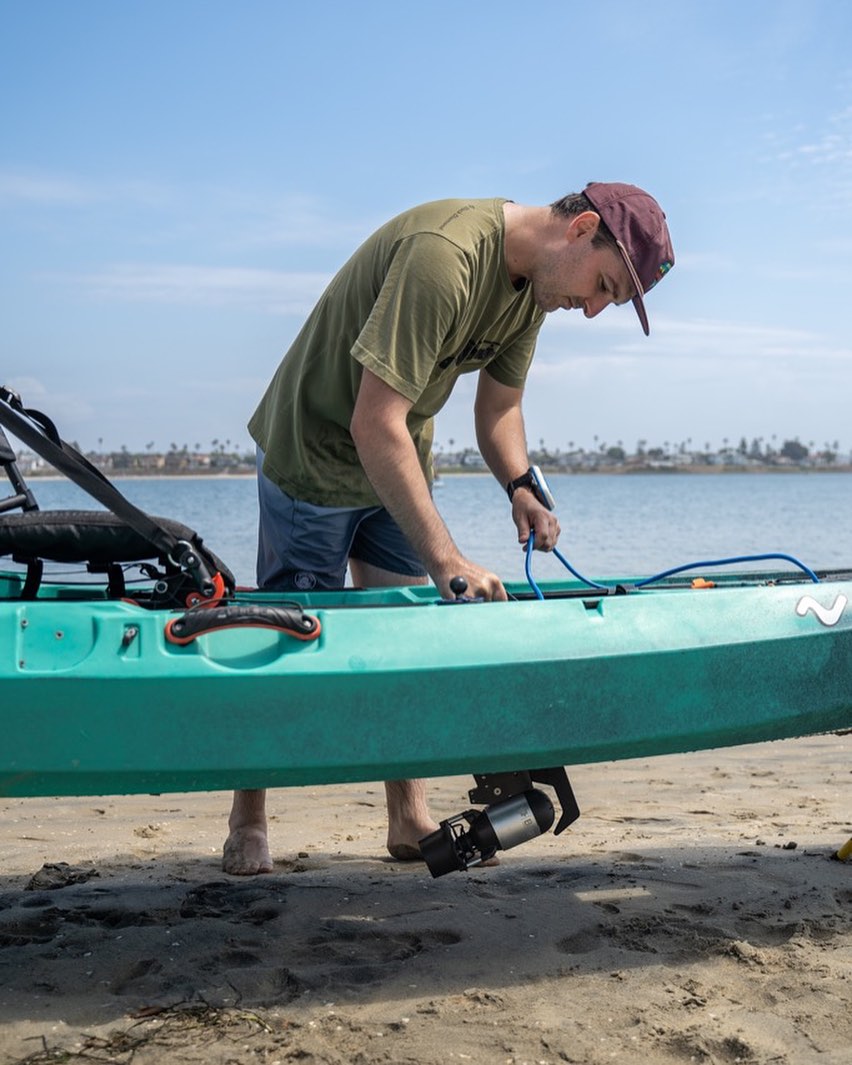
<point x="458" y="586"/>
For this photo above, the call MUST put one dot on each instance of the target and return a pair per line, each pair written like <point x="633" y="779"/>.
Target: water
<point x="612" y="525"/>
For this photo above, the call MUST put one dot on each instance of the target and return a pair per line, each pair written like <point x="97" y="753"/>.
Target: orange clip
<point x="699" y="582"/>
<point x="197" y="599"/>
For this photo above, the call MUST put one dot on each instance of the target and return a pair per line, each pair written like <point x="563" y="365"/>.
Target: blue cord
<point x="658" y="576"/>
<point x="528" y="566"/>
<point x="562" y="559"/>
<point x="729" y="562"/>
<point x="579" y="576"/>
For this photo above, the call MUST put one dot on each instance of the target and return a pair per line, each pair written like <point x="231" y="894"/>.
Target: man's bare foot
<point x="404" y="837"/>
<point x="246" y="852"/>
<point x="409" y="819"/>
<point x="404" y="852"/>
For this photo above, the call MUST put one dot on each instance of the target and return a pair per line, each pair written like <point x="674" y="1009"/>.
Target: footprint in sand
<point x="359" y="955"/>
<point x="18" y="930"/>
<point x="249" y="903"/>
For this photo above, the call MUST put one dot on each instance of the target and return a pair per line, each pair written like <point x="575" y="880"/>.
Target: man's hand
<point x="481" y="584"/>
<point x="528" y="513"/>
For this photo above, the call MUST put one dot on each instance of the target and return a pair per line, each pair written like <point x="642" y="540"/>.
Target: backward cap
<point x="638" y="224"/>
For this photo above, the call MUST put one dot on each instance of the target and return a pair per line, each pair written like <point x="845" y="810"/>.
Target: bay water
<point x="613" y="525"/>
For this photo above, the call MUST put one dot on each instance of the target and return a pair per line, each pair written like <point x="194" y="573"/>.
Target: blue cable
<point x="579" y="576"/>
<point x="658" y="576"/>
<point x="729" y="562"/>
<point x="528" y="569"/>
<point x="528" y="566"/>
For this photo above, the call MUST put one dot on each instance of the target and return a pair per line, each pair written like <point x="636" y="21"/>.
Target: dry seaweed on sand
<point x="168" y="1027"/>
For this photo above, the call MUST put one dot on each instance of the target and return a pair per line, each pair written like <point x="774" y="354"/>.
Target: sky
<point x="179" y="180"/>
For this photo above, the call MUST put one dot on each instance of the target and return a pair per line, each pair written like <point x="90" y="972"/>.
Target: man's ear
<point x="584" y="224"/>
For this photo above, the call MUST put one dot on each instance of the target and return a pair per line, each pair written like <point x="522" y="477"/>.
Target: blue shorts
<point x="302" y="547"/>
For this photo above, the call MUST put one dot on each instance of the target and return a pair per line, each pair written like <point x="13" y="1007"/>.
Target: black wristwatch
<point x="534" y="480"/>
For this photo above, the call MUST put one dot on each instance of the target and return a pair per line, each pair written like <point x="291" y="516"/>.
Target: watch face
<point x="541" y="487"/>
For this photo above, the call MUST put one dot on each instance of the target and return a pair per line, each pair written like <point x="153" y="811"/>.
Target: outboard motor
<point x="516" y="812"/>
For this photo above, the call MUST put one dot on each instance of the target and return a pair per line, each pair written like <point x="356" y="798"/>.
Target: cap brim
<point x="638" y="301"/>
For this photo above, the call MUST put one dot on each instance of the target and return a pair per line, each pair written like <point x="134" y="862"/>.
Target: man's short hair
<point x="576" y="203"/>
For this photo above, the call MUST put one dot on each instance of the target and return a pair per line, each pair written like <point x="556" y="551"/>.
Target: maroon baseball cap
<point x="638" y="224"/>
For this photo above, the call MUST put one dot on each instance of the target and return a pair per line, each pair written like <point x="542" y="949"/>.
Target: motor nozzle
<point x="498" y="827"/>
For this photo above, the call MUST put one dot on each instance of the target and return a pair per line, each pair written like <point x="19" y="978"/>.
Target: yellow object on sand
<point x="845" y="851"/>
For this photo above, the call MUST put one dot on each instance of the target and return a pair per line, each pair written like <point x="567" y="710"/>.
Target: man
<point x="344" y="431"/>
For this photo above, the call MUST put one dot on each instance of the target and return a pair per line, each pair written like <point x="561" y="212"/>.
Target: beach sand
<point x="692" y="914"/>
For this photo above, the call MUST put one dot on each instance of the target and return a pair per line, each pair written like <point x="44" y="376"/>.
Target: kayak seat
<point x="100" y="540"/>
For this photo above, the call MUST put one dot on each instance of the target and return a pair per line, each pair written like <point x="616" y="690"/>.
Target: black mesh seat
<point x="101" y="541"/>
<point x="81" y="536"/>
<point x="105" y="541"/>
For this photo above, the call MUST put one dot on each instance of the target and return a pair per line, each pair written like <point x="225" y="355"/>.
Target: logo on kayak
<point x="825" y="616"/>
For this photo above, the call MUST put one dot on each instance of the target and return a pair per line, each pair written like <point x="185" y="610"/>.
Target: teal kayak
<point x="107" y="696"/>
<point x="185" y="683"/>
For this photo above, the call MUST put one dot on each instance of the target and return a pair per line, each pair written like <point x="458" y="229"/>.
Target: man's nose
<point x="595" y="304"/>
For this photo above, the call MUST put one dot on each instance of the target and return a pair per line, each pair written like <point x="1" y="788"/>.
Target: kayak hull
<point x="94" y="699"/>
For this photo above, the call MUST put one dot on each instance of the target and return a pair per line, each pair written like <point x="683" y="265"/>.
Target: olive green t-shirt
<point x="425" y="299"/>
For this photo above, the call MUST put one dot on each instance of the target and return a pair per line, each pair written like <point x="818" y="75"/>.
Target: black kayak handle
<point x="287" y="619"/>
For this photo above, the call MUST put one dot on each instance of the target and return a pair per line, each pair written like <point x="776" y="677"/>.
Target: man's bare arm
<point x="389" y="458"/>
<point x="502" y="442"/>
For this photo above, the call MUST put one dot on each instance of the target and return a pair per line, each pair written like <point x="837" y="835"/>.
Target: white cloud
<point x="274" y="291"/>
<point x="291" y="221"/>
<point x="20" y="187"/>
<point x="676" y="338"/>
<point x="64" y="406"/>
<point x="28" y="388"/>
<point x="231" y="218"/>
<point x="832" y="145"/>
<point x="819" y="152"/>
<point x="39" y="189"/>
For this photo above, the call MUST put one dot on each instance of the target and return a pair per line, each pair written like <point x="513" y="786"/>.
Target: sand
<point x="692" y="914"/>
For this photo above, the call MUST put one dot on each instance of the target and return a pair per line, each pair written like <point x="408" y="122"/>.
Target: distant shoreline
<point x="455" y="471"/>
